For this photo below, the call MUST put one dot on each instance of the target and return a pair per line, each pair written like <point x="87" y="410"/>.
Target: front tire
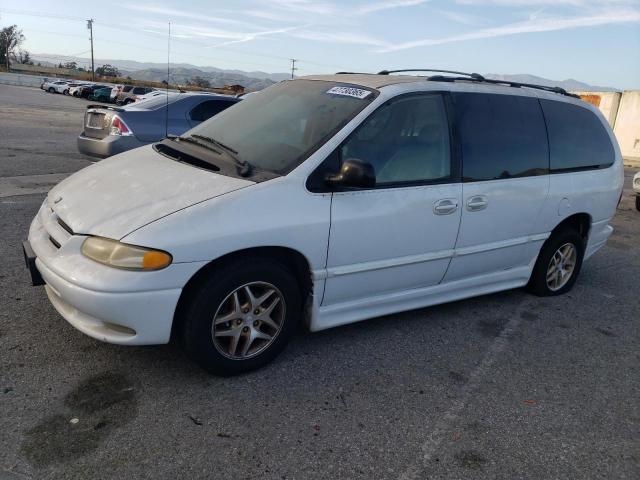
<point x="241" y="316"/>
<point x="638" y="202"/>
<point x="558" y="264"/>
<point x="65" y="92"/>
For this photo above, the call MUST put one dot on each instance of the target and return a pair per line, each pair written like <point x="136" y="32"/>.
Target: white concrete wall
<point x="607" y="102"/>
<point x="24" y="80"/>
<point x="627" y="127"/>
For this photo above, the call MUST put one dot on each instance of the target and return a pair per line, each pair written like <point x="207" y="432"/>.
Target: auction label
<point x="349" y="92"/>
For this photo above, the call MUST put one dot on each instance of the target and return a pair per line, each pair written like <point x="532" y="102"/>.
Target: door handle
<point x="477" y="203"/>
<point x="445" y="206"/>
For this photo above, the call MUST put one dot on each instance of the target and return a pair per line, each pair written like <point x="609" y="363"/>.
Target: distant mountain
<point x="180" y="72"/>
<point x="256" y="80"/>
<point x="569" y="84"/>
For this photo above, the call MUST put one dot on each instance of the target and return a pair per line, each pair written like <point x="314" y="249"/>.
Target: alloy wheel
<point x="561" y="266"/>
<point x="248" y="320"/>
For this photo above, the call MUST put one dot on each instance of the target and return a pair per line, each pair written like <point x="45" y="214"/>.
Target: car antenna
<point x="166" y="110"/>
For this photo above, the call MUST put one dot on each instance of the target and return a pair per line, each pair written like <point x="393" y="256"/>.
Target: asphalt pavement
<point x="501" y="386"/>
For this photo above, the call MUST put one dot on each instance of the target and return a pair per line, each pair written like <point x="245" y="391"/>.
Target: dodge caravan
<point x="327" y="200"/>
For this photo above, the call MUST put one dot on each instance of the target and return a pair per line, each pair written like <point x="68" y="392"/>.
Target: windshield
<point x="278" y="128"/>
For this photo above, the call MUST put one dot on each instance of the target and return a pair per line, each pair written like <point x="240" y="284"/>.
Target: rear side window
<point x="502" y="136"/>
<point x="208" y="109"/>
<point x="139" y="90"/>
<point x="577" y="138"/>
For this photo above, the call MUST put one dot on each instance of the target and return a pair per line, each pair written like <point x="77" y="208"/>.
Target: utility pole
<point x="90" y="27"/>
<point x="293" y="66"/>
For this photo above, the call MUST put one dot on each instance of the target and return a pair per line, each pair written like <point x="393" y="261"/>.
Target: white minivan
<point x="327" y="200"/>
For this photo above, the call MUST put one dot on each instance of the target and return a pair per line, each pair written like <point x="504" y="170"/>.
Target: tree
<point x="70" y="65"/>
<point x="24" y="57"/>
<point x="10" y="39"/>
<point x="107" y="70"/>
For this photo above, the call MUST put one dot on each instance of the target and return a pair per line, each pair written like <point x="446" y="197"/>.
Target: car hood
<point x="118" y="195"/>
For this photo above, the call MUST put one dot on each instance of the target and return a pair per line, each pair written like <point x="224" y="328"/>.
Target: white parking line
<point x="29" y="184"/>
<point x="443" y="427"/>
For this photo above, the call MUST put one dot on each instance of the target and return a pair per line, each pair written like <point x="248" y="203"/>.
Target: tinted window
<point x="502" y="136"/>
<point x="406" y="140"/>
<point x="139" y="90"/>
<point x="577" y="138"/>
<point x="127" y="88"/>
<point x="208" y="109"/>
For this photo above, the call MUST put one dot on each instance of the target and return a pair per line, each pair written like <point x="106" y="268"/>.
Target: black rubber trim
<point x="30" y="261"/>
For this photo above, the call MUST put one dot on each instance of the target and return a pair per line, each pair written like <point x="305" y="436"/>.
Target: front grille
<point x="53" y="240"/>
<point x="57" y="230"/>
<point x="65" y="226"/>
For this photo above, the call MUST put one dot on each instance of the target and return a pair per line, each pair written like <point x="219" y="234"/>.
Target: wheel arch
<point x="292" y="259"/>
<point x="580" y="222"/>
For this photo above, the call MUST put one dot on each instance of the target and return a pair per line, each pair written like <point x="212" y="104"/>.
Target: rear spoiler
<point x="107" y="107"/>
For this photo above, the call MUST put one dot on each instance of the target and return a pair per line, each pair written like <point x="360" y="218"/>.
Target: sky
<point x="597" y="42"/>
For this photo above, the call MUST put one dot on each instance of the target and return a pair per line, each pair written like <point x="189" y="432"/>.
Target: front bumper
<point x="108" y="304"/>
<point x="136" y="318"/>
<point x="108" y="146"/>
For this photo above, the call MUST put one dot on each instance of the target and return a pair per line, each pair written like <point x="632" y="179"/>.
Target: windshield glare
<point x="278" y="128"/>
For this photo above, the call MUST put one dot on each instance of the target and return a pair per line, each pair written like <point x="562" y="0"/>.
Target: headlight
<point x="120" y="255"/>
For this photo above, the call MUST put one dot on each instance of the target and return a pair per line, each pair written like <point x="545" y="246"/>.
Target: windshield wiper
<point x="195" y="142"/>
<point x="244" y="167"/>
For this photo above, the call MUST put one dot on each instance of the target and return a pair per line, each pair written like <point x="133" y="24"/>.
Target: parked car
<point x="323" y="201"/>
<point x="101" y="95"/>
<point x="55" y="86"/>
<point x="75" y="90"/>
<point x="115" y="90"/>
<point x="111" y="130"/>
<point x="636" y="189"/>
<point x="127" y="96"/>
<point x="87" y="90"/>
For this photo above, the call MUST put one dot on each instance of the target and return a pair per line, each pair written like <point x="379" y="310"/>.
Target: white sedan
<point x="58" y="86"/>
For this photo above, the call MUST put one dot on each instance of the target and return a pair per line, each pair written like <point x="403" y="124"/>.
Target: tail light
<point x="118" y="127"/>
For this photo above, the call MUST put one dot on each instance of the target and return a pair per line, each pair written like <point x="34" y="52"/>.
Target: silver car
<point x="111" y="130"/>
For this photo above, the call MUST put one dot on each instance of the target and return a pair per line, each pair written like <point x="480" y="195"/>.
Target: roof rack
<point x="509" y="83"/>
<point x="475" y="76"/>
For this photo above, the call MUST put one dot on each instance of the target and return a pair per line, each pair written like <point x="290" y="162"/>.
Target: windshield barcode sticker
<point x="349" y="92"/>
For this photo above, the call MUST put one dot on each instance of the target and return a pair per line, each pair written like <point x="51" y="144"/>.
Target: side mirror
<point x="354" y="173"/>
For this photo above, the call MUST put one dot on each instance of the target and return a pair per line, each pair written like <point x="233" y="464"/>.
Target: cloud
<point x="387" y="5"/>
<point x="252" y="36"/>
<point x="172" y="13"/>
<point x="340" y="37"/>
<point x="532" y="25"/>
<point x="555" y="3"/>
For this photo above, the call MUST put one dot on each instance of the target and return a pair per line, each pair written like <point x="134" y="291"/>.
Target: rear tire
<point x="558" y="264"/>
<point x="638" y="202"/>
<point x="52" y="90"/>
<point x="227" y="331"/>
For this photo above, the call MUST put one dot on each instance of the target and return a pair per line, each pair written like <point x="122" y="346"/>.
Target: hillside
<point x="256" y="80"/>
<point x="569" y="84"/>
